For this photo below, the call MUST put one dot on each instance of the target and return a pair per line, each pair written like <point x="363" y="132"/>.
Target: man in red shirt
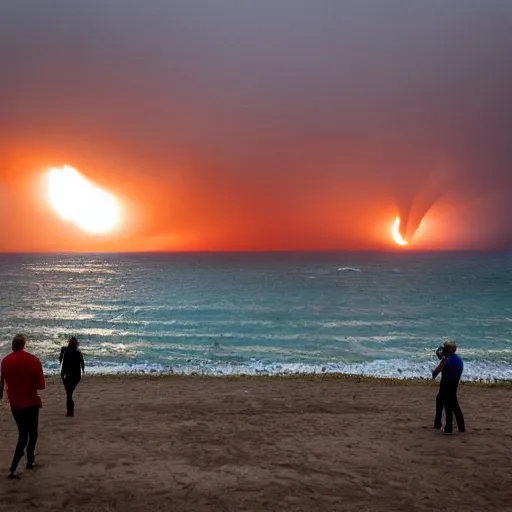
<point x="23" y="374"/>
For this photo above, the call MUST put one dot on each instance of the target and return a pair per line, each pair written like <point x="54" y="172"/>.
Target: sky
<point x="259" y="125"/>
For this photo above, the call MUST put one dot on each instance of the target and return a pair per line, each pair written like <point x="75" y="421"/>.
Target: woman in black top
<point x="72" y="367"/>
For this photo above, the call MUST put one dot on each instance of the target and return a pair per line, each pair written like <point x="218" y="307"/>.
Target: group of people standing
<point x="22" y="372"/>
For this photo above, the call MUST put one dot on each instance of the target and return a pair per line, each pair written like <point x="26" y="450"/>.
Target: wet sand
<point x="192" y="443"/>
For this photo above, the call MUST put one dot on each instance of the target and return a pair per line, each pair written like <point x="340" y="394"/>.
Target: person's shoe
<point x="30" y="465"/>
<point x="70" y="414"/>
<point x="14" y="476"/>
<point x="447" y="433"/>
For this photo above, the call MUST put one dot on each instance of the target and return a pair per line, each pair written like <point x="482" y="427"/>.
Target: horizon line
<point x="261" y="251"/>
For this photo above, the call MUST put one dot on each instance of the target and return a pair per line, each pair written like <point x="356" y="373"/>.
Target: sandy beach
<point x="192" y="443"/>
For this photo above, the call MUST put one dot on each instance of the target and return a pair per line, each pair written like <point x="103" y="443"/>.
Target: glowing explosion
<point x="397" y="236"/>
<point x="77" y="200"/>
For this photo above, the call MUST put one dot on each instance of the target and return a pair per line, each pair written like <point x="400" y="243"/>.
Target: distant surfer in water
<point x="451" y="368"/>
<point x="72" y="368"/>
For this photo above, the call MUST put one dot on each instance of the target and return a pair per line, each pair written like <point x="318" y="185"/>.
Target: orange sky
<point x="260" y="127"/>
<point x="188" y="213"/>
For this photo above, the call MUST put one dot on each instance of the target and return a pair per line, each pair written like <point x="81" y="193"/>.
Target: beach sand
<point x="298" y="443"/>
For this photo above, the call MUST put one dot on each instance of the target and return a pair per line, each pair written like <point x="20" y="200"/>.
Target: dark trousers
<point x="447" y="399"/>
<point x="27" y="421"/>
<point x="70" y="384"/>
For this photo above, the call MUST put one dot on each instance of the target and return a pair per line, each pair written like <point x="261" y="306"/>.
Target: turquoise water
<point x="372" y="313"/>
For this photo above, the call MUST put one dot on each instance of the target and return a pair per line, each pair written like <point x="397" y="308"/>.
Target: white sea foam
<point x="349" y="269"/>
<point x="391" y="368"/>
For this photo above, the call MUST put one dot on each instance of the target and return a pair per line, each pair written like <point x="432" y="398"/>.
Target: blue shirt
<point x="451" y="368"/>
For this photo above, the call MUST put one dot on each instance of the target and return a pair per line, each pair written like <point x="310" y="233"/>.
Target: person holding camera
<point x="451" y="368"/>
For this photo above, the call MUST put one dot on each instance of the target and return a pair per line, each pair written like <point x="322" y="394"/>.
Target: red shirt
<point x="23" y="375"/>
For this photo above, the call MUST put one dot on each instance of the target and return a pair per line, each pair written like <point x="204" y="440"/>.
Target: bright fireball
<point x="397" y="236"/>
<point x="77" y="200"/>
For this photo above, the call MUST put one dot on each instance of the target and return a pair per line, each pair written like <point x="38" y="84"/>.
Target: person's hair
<point x="450" y="347"/>
<point x="18" y="342"/>
<point x="73" y="342"/>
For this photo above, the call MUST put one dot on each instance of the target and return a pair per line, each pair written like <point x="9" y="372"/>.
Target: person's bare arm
<point x="438" y="369"/>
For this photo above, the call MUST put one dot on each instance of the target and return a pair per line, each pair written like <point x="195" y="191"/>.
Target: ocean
<point x="380" y="314"/>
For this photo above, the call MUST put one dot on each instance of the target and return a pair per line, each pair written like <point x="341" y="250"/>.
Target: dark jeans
<point x="447" y="399"/>
<point x="70" y="383"/>
<point x="27" y="421"/>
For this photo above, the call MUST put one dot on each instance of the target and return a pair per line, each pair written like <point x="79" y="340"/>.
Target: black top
<point x="72" y="362"/>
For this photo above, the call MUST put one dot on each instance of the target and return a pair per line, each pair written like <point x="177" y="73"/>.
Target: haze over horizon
<point x="269" y="125"/>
